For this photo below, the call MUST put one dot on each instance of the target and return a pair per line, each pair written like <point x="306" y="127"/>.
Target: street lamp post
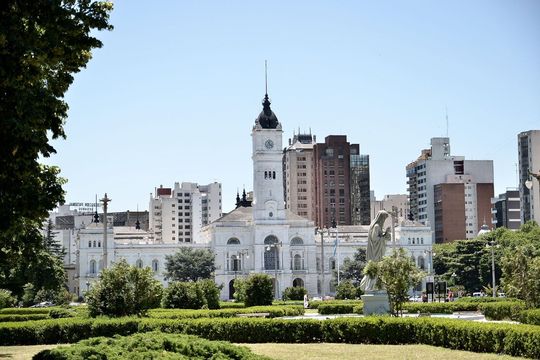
<point x="275" y="247"/>
<point x="321" y="232"/>
<point x="492" y="245"/>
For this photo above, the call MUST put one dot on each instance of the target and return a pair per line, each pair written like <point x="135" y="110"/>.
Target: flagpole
<point x="337" y="246"/>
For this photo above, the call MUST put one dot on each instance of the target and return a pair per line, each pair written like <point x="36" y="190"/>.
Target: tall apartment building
<point x="341" y="178"/>
<point x="451" y="194"/>
<point x="529" y="160"/>
<point x="178" y="214"/>
<point x="506" y="210"/>
<point x="360" y="190"/>
<point x="298" y="169"/>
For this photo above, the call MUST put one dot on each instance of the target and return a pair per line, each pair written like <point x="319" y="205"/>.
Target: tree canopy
<point x="396" y="273"/>
<point x="42" y="44"/>
<point x="189" y="264"/>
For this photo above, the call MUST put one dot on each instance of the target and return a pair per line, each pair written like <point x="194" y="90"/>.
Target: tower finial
<point x="265" y="78"/>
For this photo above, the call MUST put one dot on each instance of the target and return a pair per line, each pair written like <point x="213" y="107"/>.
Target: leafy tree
<point x="42" y="44"/>
<point x="240" y="290"/>
<point x="51" y="244"/>
<point x="353" y="269"/>
<point x="259" y="290"/>
<point x="6" y="300"/>
<point x="124" y="290"/>
<point x="521" y="279"/>
<point x="211" y="292"/>
<point x="189" y="264"/>
<point x="183" y="295"/>
<point x="346" y="290"/>
<point x="396" y="273"/>
<point x="294" y="293"/>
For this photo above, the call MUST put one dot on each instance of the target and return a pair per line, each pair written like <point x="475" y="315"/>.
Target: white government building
<point x="261" y="237"/>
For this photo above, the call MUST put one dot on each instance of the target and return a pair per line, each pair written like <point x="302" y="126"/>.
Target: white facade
<point x="437" y="166"/>
<point x="177" y="214"/>
<point x="529" y="160"/>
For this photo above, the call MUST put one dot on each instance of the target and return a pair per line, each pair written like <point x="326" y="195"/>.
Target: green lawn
<point x="315" y="352"/>
<point x="327" y="351"/>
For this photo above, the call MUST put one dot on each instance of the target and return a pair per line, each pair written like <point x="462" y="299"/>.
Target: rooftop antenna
<point x="446" y="109"/>
<point x="265" y="77"/>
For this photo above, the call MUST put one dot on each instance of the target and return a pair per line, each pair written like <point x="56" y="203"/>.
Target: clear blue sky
<point x="174" y="92"/>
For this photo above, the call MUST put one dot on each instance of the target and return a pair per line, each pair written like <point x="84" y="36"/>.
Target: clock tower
<point x="268" y="198"/>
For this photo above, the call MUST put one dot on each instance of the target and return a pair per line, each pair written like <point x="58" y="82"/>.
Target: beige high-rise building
<point x="529" y="161"/>
<point x="298" y="168"/>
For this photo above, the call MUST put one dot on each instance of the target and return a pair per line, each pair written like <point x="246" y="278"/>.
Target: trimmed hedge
<point x="327" y="309"/>
<point x="511" y="339"/>
<point x="484" y="299"/>
<point x="531" y="317"/>
<point x="273" y="311"/>
<point x="151" y="345"/>
<point x="315" y="303"/>
<point x="27" y="317"/>
<point x="24" y="311"/>
<point x="231" y="305"/>
<point x="502" y="310"/>
<point x="440" y="307"/>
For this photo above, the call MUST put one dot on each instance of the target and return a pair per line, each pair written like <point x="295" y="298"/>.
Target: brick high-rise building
<point x="341" y="178"/>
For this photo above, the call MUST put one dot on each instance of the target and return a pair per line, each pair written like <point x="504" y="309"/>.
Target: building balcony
<point x="91" y="275"/>
<point x="299" y="271"/>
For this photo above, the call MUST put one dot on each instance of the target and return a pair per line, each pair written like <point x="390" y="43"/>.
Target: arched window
<point x="274" y="175"/>
<point x="413" y="259"/>
<point x="297" y="241"/>
<point x="93" y="266"/>
<point x="155" y="265"/>
<point x="235" y="263"/>
<point x="297" y="262"/>
<point x="94" y="244"/>
<point x="139" y="264"/>
<point x="233" y="241"/>
<point x="421" y="263"/>
<point x="89" y="243"/>
<point x="99" y="244"/>
<point x="266" y="174"/>
<point x="298" y="282"/>
<point x="271" y="253"/>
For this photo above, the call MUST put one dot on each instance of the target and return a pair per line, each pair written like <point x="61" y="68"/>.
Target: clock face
<point x="269" y="144"/>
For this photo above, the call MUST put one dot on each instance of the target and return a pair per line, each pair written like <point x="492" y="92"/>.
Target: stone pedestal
<point x="376" y="303"/>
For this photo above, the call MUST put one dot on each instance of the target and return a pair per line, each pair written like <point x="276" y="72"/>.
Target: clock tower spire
<point x="268" y="195"/>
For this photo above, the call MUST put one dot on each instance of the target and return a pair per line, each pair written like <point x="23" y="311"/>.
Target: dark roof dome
<point x="267" y="119"/>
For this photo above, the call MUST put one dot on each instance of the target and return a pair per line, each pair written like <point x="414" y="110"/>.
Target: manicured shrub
<point x="511" y="339"/>
<point x="502" y="310"/>
<point x="26" y="317"/>
<point x="531" y="317"/>
<point x="150" y="345"/>
<point x="314" y="304"/>
<point x="326" y="309"/>
<point x="211" y="293"/>
<point x="484" y="299"/>
<point x="440" y="307"/>
<point x="346" y="290"/>
<point x="58" y="313"/>
<point x="259" y="290"/>
<point x="294" y="293"/>
<point x="124" y="290"/>
<point x="6" y="299"/>
<point x="273" y="311"/>
<point x="183" y="295"/>
<point x="231" y="305"/>
<point x="24" y="311"/>
<point x="288" y="302"/>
